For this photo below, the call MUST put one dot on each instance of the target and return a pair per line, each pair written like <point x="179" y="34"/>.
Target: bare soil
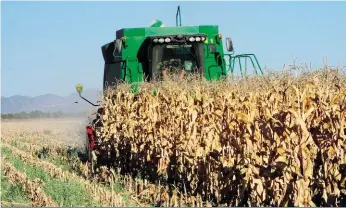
<point x="66" y="130"/>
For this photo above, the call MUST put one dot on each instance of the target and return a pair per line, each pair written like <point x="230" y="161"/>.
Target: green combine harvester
<point x="136" y="55"/>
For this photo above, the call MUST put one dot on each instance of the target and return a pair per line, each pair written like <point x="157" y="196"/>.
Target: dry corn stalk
<point x="252" y="142"/>
<point x="99" y="193"/>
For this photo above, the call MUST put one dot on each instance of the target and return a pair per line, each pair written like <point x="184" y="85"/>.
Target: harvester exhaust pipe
<point x="176" y="17"/>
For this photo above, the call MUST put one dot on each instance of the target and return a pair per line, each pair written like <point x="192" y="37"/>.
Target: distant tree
<point x="39" y="114"/>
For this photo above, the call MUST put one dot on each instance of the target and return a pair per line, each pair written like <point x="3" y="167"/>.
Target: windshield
<point x="174" y="58"/>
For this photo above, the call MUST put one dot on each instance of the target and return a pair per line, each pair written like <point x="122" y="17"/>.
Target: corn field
<point x="23" y="165"/>
<point x="273" y="141"/>
<point x="278" y="140"/>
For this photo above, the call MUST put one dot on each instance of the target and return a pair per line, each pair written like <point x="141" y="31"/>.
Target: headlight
<point x="198" y="39"/>
<point x="167" y="40"/>
<point x="203" y="38"/>
<point x="156" y="40"/>
<point x="191" y="39"/>
<point x="161" y="40"/>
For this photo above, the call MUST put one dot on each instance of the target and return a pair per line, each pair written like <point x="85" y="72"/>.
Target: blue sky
<point x="48" y="47"/>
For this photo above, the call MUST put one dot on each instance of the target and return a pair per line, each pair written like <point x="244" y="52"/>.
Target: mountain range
<point x="50" y="103"/>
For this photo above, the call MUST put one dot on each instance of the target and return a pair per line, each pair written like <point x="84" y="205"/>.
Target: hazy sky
<point x="48" y="47"/>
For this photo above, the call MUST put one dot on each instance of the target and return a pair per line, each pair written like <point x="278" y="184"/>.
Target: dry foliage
<point x="99" y="193"/>
<point x="273" y="141"/>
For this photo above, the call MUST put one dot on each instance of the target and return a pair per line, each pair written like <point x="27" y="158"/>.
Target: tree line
<point x="40" y="114"/>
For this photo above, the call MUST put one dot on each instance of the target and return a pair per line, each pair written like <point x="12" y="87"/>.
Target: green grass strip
<point x="64" y="193"/>
<point x="12" y="194"/>
<point x="64" y="165"/>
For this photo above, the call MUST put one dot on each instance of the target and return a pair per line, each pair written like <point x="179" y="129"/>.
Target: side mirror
<point x="229" y="44"/>
<point x="79" y="88"/>
<point x="118" y="45"/>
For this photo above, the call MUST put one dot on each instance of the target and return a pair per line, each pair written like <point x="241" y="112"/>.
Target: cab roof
<point x="156" y="31"/>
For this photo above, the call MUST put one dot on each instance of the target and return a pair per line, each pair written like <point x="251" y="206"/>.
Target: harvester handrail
<point x="232" y="60"/>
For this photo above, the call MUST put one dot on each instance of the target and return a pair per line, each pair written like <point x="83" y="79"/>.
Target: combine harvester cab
<point x="136" y="54"/>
